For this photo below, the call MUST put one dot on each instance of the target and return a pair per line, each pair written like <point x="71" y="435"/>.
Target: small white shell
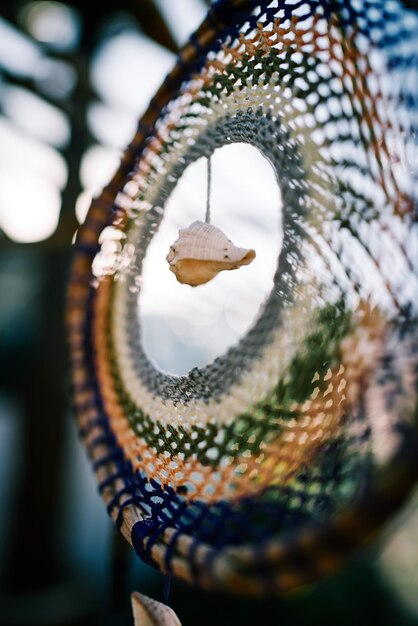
<point x="202" y="251"/>
<point x="149" y="612"/>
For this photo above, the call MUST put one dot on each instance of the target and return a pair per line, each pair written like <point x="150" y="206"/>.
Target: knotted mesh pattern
<point x="264" y="469"/>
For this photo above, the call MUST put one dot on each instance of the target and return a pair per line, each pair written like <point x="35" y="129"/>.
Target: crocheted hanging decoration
<point x="265" y="469"/>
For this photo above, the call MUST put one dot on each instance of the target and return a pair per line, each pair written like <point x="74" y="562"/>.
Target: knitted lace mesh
<point x="262" y="470"/>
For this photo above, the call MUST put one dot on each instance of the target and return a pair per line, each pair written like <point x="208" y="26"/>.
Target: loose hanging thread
<point x="209" y="182"/>
<point x="167" y="589"/>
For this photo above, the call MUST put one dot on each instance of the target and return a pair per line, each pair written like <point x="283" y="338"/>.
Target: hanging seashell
<point x="149" y="612"/>
<point x="202" y="251"/>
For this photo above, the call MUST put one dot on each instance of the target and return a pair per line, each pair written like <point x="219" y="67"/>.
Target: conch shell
<point x="202" y="251"/>
<point x="149" y="612"/>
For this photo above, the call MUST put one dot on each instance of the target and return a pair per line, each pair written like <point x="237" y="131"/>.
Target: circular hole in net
<point x="185" y="327"/>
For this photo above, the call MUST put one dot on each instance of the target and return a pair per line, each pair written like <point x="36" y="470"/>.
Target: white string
<point x="209" y="182"/>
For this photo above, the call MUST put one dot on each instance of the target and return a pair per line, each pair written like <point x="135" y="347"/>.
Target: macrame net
<point x="263" y="470"/>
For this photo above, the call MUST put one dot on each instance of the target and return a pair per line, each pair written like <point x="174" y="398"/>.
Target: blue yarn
<point x="167" y="589"/>
<point x="140" y="531"/>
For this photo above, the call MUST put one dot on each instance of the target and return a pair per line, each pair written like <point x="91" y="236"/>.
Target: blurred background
<point x="73" y="81"/>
